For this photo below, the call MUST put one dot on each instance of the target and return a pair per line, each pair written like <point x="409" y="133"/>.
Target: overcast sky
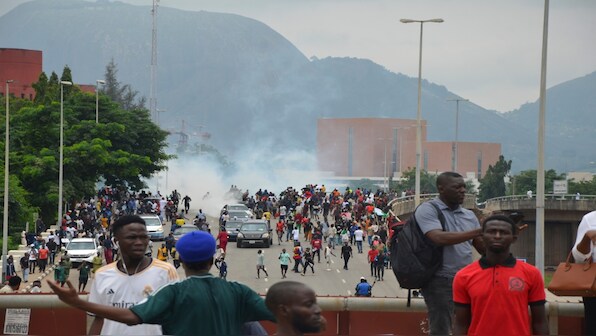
<point x="487" y="51"/>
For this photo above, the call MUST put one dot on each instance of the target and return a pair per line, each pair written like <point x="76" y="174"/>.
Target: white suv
<point x="82" y="249"/>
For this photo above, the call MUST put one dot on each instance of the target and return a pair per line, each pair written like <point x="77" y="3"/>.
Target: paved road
<point x="242" y="268"/>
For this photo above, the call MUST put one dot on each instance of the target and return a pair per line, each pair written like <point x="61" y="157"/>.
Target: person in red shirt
<point x="372" y="254"/>
<point x="280" y="231"/>
<point x="222" y="238"/>
<point x="492" y="295"/>
<point x="42" y="257"/>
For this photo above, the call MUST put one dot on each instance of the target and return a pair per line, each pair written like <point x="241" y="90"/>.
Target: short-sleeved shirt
<point x="217" y="307"/>
<point x="499" y="296"/>
<point x="457" y="256"/>
<point x="284" y="258"/>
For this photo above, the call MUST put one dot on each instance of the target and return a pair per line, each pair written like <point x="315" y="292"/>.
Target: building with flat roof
<point x="385" y="147"/>
<point x="21" y="66"/>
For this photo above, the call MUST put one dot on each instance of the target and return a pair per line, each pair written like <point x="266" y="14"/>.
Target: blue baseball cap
<point x="196" y="246"/>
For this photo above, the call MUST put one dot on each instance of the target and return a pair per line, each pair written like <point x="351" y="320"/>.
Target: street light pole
<point x="97" y="82"/>
<point x="540" y="169"/>
<point x="419" y="112"/>
<point x="454" y="148"/>
<point x="61" y="161"/>
<point x="6" y="167"/>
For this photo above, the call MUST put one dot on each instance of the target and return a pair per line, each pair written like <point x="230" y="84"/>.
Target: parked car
<point x="254" y="232"/>
<point x="154" y="226"/>
<point x="82" y="249"/>
<point x="179" y="232"/>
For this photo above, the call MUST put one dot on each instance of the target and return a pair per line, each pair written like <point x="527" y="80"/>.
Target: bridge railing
<point x="405" y="205"/>
<point x="345" y="315"/>
<point x="546" y="196"/>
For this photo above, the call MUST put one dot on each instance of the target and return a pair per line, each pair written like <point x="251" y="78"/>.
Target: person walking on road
<point x="328" y="253"/>
<point x="261" y="264"/>
<point x="296" y="234"/>
<point x="186" y="200"/>
<point x="42" y="257"/>
<point x="84" y="270"/>
<point x="346" y="254"/>
<point x="284" y="262"/>
<point x="222" y="237"/>
<point x="297" y="257"/>
<point x="308" y="261"/>
<point x="359" y="238"/>
<point x="24" y="261"/>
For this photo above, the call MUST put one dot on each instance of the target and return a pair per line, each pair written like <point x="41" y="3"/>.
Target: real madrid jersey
<point x="115" y="288"/>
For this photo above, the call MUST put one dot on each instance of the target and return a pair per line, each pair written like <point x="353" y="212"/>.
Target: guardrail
<point x="546" y="196"/>
<point x="345" y="310"/>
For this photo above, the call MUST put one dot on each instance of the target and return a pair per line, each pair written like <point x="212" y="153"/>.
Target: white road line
<point x="333" y="262"/>
<point x="266" y="289"/>
<point x="349" y="293"/>
<point x="338" y="271"/>
<point x="266" y="279"/>
<point x="343" y="280"/>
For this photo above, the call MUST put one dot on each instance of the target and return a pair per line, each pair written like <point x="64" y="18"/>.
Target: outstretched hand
<point x="67" y="294"/>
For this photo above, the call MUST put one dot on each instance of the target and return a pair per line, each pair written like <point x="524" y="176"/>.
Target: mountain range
<point x="252" y="89"/>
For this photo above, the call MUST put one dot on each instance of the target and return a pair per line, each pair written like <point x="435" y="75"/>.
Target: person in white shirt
<point x="296" y="234"/>
<point x="584" y="249"/>
<point x="129" y="280"/>
<point x="359" y="237"/>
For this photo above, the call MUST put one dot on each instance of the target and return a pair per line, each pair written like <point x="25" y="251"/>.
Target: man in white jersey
<point x="129" y="280"/>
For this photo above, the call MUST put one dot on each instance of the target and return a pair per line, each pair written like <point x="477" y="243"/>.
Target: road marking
<point x="343" y="280"/>
<point x="266" y="289"/>
<point x="333" y="262"/>
<point x="350" y="293"/>
<point x="338" y="271"/>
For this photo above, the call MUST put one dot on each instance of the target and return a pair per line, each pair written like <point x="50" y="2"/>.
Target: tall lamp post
<point x="540" y="169"/>
<point x="97" y="82"/>
<point x="5" y="217"/>
<point x="454" y="148"/>
<point x="419" y="112"/>
<point x="61" y="163"/>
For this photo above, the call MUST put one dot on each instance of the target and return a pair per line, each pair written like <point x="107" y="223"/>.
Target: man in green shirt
<point x="199" y="305"/>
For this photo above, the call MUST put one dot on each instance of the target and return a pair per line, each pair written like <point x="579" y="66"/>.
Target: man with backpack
<point x="461" y="232"/>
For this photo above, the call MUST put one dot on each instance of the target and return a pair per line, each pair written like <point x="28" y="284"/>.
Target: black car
<point x="232" y="227"/>
<point x="254" y="232"/>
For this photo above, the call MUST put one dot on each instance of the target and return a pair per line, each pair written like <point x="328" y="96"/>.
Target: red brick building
<point x="23" y="67"/>
<point x="377" y="147"/>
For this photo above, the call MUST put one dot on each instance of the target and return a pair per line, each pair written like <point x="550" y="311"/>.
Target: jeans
<point x="359" y="245"/>
<point x="438" y="297"/>
<point x="52" y="257"/>
<point x="26" y="274"/>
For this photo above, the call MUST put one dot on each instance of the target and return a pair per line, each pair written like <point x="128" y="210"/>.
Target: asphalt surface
<point x="242" y="268"/>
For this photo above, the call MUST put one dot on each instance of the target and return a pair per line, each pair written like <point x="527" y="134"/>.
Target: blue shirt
<point x="455" y="257"/>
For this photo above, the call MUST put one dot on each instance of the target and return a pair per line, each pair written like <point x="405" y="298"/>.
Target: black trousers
<point x="590" y="315"/>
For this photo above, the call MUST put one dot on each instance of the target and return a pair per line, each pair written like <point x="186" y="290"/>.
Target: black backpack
<point x="414" y="257"/>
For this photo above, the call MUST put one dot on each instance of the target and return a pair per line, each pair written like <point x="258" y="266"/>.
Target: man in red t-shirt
<point x="222" y="237"/>
<point x="42" y="257"/>
<point x="280" y="231"/>
<point x="372" y="254"/>
<point x="492" y="295"/>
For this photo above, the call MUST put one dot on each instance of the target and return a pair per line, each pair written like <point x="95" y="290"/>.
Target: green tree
<point x="428" y="182"/>
<point x="121" y="152"/>
<point x="526" y="180"/>
<point x="493" y="182"/>
<point x="122" y="94"/>
<point x="583" y="187"/>
<point x="363" y="184"/>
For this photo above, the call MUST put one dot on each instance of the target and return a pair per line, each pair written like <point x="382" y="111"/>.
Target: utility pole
<point x="454" y="146"/>
<point x="152" y="89"/>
